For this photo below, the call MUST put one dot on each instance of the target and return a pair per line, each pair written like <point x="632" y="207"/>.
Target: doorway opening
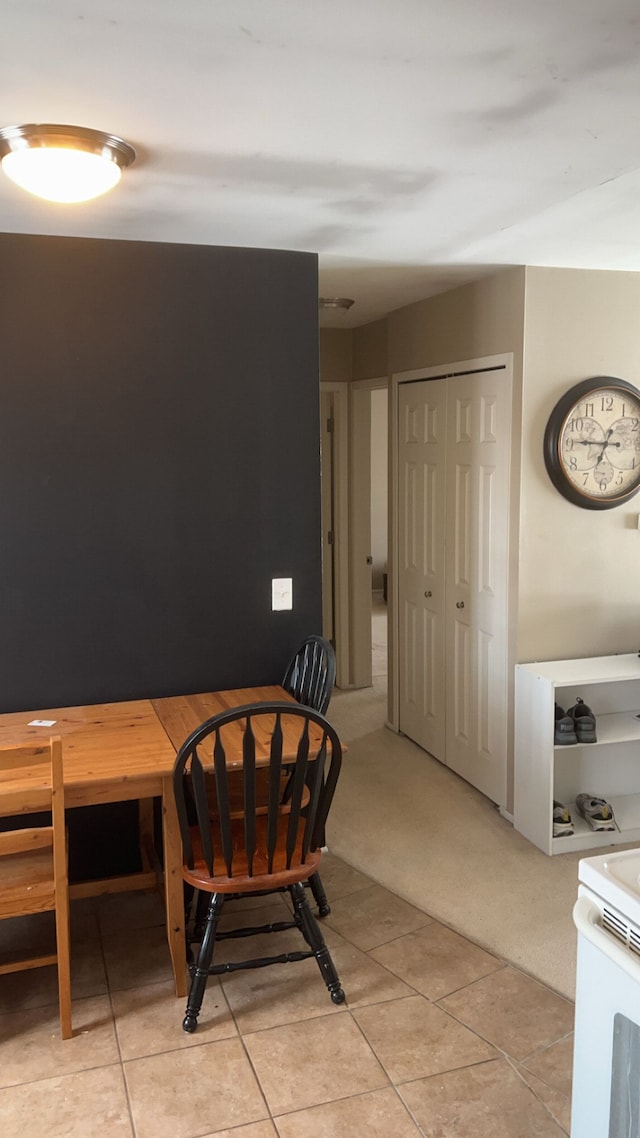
<point x="354" y="465"/>
<point x="379" y="523"/>
<point x="368" y="518"/>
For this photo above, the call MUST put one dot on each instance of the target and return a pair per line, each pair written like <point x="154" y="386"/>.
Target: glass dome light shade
<point x="63" y="164"/>
<point x="61" y="175"/>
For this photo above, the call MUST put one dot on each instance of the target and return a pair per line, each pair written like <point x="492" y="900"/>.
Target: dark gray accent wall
<point x="159" y="446"/>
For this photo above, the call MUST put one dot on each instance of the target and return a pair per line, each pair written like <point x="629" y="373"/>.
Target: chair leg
<point x="201" y="914"/>
<point x="63" y="951"/>
<point x="310" y="930"/>
<point x="196" y="909"/>
<point x="200" y="973"/>
<point x="319" y="895"/>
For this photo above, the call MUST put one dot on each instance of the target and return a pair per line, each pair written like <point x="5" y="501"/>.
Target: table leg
<point x="148" y="855"/>
<point x="173" y="888"/>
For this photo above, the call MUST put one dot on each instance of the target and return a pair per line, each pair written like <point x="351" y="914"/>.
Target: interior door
<point x="453" y="513"/>
<point x="360" y="535"/>
<point x="421" y="562"/>
<point x="477" y="548"/>
<point x="328" y="529"/>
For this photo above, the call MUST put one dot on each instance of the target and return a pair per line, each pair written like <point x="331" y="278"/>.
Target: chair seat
<point x="261" y="878"/>
<point x="26" y="883"/>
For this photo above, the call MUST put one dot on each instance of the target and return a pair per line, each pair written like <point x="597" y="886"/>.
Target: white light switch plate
<point x="281" y="593"/>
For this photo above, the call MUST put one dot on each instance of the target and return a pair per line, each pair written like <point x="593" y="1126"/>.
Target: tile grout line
<point x="515" y="1067"/>
<point x="125" y="1084"/>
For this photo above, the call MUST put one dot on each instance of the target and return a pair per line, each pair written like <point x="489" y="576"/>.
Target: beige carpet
<point x="420" y="830"/>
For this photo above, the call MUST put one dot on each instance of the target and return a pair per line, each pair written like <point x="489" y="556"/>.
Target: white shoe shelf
<point x="609" y="768"/>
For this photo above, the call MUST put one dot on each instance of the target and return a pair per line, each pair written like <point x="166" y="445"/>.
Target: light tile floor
<point x="438" y="1037"/>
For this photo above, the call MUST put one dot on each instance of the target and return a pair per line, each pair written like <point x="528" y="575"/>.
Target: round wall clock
<point x="592" y="443"/>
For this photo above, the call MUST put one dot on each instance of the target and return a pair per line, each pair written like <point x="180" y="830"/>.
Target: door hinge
<point x="330" y="425"/>
<point x="330" y="537"/>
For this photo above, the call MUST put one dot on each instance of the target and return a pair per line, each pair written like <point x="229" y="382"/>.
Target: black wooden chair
<point x="310" y="678"/>
<point x="267" y="847"/>
<point x="311" y="674"/>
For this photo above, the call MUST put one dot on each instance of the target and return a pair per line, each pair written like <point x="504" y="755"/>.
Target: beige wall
<point x="370" y="350"/>
<point x="336" y="355"/>
<point x="479" y="319"/>
<point x="579" y="569"/>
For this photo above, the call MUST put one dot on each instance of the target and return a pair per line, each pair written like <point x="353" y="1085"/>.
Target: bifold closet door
<point x="421" y="562"/>
<point x="477" y="553"/>
<point x="453" y="515"/>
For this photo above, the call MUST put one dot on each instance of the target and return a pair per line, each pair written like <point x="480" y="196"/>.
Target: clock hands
<point x="606" y="452"/>
<point x="603" y="469"/>
<point x="592" y="443"/>
<point x="601" y="466"/>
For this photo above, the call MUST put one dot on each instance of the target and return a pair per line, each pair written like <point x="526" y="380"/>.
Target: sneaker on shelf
<point x="562" y="823"/>
<point x="584" y="720"/>
<point x="596" y="811"/>
<point x="565" y="729"/>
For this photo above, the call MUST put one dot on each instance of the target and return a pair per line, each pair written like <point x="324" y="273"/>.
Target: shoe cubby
<point x="608" y="768"/>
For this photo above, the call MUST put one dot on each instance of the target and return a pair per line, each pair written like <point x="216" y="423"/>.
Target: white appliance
<point x="606" y="1064"/>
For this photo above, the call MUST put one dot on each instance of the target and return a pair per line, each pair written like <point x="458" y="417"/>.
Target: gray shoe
<point x="565" y="731"/>
<point x="562" y="823"/>
<point x="584" y="720"/>
<point x="596" y="812"/>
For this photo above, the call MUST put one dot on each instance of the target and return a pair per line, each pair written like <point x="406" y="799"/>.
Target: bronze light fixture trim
<point x="63" y="163"/>
<point x="335" y="302"/>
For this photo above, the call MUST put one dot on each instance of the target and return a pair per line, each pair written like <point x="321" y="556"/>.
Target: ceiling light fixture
<point x="335" y="302"/>
<point x="63" y="163"/>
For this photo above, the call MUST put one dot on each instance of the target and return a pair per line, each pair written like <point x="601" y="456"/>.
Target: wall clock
<point x="592" y="443"/>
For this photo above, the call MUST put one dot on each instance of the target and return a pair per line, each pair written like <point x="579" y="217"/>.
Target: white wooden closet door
<point x="421" y="562"/>
<point x="477" y="531"/>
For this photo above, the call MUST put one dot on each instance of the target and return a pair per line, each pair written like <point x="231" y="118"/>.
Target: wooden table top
<point x="101" y="743"/>
<point x="181" y="714"/>
<point x="110" y="749"/>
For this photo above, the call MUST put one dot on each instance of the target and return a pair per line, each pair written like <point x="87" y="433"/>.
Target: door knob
<point x="428" y="593"/>
<point x="459" y="604"/>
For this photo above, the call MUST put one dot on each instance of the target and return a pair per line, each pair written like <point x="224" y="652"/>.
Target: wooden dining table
<point x="181" y="714"/>
<point x="123" y="751"/>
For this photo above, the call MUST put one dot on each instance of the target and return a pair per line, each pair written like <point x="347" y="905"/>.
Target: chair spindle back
<point x="291" y="740"/>
<point x="311" y="674"/>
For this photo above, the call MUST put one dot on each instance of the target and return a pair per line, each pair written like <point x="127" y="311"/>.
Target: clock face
<point x="592" y="443"/>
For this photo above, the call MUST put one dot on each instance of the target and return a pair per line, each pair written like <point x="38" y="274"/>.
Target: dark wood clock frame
<point x="553" y="432"/>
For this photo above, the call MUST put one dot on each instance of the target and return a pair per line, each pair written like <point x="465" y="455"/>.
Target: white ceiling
<point x="413" y="144"/>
